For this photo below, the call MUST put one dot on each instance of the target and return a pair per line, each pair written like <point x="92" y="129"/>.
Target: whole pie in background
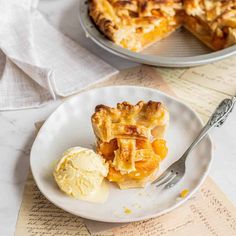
<point x="130" y="139"/>
<point x="136" y="24"/>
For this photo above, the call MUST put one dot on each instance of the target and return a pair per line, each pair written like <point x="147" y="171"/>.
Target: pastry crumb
<point x="184" y="193"/>
<point x="127" y="210"/>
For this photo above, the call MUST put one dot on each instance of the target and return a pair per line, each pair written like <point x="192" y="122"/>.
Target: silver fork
<point x="176" y="171"/>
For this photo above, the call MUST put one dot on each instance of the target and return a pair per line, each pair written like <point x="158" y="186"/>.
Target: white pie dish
<point x="70" y="126"/>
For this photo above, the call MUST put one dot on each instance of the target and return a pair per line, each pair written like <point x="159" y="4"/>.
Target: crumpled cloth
<point x="38" y="63"/>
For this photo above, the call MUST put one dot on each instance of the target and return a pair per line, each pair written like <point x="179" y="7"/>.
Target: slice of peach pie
<point x="130" y="138"/>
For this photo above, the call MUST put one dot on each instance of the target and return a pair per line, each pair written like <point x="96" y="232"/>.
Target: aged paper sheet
<point x="209" y="212"/>
<point x="219" y="76"/>
<point x="200" y="91"/>
<point x="38" y="216"/>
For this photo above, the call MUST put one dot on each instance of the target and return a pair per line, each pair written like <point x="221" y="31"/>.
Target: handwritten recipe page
<point x="209" y="212"/>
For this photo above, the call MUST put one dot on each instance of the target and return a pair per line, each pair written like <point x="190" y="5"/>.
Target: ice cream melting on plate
<point x="80" y="173"/>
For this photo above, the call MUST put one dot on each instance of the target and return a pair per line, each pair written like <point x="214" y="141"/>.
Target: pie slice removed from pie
<point x="130" y="138"/>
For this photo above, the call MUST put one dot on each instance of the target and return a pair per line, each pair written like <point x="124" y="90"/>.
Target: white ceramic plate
<point x="180" y="49"/>
<point x="70" y="126"/>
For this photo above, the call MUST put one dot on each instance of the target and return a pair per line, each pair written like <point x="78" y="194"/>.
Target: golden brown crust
<point x="124" y="135"/>
<point x="104" y="21"/>
<point x="135" y="24"/>
<point x="127" y="120"/>
<point x="203" y="38"/>
<point x="213" y="22"/>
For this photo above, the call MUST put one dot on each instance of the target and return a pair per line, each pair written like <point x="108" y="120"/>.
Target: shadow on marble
<point x="2" y="63"/>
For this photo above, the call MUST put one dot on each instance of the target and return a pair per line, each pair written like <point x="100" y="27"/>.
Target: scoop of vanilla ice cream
<point x="80" y="172"/>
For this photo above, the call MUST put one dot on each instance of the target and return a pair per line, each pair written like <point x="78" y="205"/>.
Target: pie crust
<point x="136" y="24"/>
<point x="130" y="138"/>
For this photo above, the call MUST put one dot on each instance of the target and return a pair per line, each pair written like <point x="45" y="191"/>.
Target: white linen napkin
<point x="38" y="63"/>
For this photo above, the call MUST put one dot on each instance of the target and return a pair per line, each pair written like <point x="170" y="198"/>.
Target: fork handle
<point x="217" y="119"/>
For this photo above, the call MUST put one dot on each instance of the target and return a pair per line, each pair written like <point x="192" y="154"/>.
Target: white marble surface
<point x="17" y="128"/>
